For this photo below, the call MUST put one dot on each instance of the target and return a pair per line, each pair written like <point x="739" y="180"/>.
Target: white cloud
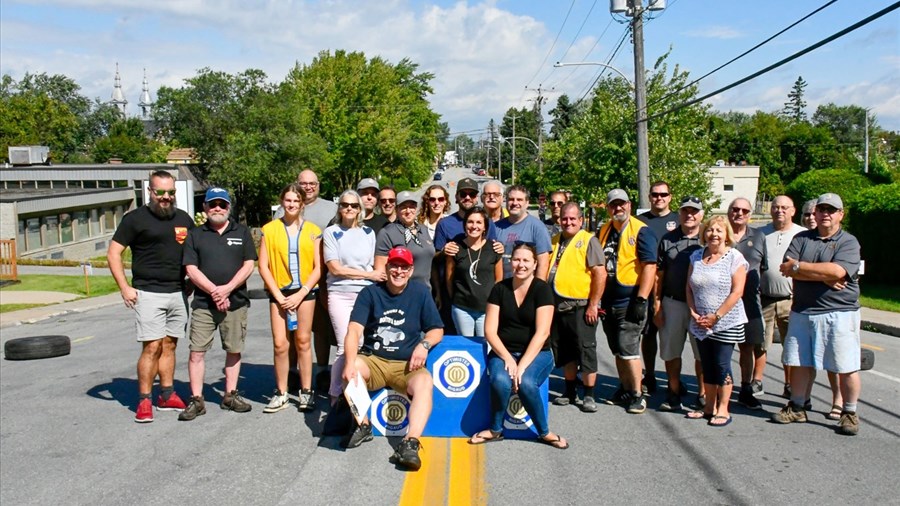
<point x="715" y="32"/>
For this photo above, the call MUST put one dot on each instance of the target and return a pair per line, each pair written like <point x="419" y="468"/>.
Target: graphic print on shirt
<point x="611" y="252"/>
<point x="388" y="332"/>
<point x="181" y="234"/>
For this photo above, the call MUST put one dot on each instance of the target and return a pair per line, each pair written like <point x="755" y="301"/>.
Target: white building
<point x="730" y="181"/>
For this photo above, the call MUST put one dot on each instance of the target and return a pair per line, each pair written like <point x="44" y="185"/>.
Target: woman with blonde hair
<point x="715" y="285"/>
<point x="289" y="266"/>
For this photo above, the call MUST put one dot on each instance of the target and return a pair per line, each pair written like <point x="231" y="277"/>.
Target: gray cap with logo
<point x="617" y="194"/>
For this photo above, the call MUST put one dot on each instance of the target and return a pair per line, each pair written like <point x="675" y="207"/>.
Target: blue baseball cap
<point x="216" y="193"/>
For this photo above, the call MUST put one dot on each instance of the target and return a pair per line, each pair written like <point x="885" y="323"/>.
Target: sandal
<point x="719" y="417"/>
<point x="698" y="414"/>
<point x="557" y="443"/>
<point x="835" y="413"/>
<point x="479" y="439"/>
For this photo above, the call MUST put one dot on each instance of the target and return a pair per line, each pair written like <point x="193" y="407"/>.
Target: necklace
<point x="473" y="266"/>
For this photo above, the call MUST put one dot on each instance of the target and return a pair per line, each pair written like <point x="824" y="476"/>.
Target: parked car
<point x="438" y="176"/>
<point x="481" y="172"/>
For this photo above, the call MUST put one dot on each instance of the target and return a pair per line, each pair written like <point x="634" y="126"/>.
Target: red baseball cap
<point x="400" y="255"/>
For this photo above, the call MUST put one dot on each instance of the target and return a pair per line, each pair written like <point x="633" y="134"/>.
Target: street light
<point x="598" y="64"/>
<point x="513" y="146"/>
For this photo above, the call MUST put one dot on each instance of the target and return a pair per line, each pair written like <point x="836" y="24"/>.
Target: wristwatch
<point x="425" y="344"/>
<point x="795" y="267"/>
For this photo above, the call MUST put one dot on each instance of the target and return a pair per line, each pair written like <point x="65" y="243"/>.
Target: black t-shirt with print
<point x="156" y="248"/>
<point x="472" y="286"/>
<point x="517" y="323"/>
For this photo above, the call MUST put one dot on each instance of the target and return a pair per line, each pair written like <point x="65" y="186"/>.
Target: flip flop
<point x="698" y="414"/>
<point x="835" y="413"/>
<point x="480" y="440"/>
<point x="554" y="442"/>
<point x="719" y="417"/>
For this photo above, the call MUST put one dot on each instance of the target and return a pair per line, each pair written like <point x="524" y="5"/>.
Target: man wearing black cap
<point x="218" y="257"/>
<point x="451" y="227"/>
<point x="399" y="325"/>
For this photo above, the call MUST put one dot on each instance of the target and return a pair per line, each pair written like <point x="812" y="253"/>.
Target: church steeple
<point x="118" y="98"/>
<point x="145" y="104"/>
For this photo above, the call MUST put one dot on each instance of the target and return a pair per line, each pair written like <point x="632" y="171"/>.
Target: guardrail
<point x="8" y="268"/>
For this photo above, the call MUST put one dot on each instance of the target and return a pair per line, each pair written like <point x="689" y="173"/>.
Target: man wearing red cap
<point x="391" y="317"/>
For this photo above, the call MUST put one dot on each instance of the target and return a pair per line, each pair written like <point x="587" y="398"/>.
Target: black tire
<point x="258" y="293"/>
<point x="867" y="359"/>
<point x="30" y="348"/>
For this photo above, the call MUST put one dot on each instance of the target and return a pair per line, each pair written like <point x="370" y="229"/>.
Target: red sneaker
<point x="144" y="411"/>
<point x="173" y="404"/>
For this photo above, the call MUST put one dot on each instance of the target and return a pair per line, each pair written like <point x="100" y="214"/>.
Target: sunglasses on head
<point x="436" y="199"/>
<point x="694" y="200"/>
<point x="740" y="210"/>
<point x="162" y="193"/>
<point x="659" y="194"/>
<point x="350" y="205"/>
<point x="524" y="243"/>
<point x="221" y="204"/>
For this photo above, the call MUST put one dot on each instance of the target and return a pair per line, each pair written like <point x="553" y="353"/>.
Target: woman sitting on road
<point x="435" y="202"/>
<point x="715" y="284"/>
<point x="472" y="274"/>
<point x="349" y="252"/>
<point x="517" y="326"/>
<point x="289" y="267"/>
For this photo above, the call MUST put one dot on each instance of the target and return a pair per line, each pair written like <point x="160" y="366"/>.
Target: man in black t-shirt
<point x="155" y="233"/>
<point x="391" y="317"/>
<point x="219" y="258"/>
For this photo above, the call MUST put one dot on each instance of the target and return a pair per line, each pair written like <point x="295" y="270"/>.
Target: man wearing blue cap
<point x="218" y="257"/>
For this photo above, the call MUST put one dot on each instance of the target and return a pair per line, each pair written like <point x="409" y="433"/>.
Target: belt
<point x="776" y="298"/>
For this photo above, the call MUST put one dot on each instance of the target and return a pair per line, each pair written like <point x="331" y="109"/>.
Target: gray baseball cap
<point x="691" y="201"/>
<point x="617" y="194"/>
<point x="830" y="199"/>
<point x="367" y="183"/>
<point x="406" y="196"/>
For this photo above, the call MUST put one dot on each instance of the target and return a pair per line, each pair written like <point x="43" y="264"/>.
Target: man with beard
<point x="630" y="250"/>
<point x="155" y="233"/>
<point x="520" y="226"/>
<point x="218" y="257"/>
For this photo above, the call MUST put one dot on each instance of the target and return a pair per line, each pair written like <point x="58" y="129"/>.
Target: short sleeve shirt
<point x="376" y="223"/>
<point x="156" y="248"/>
<point x="351" y="247"/>
<point x="219" y="257"/>
<point x="674" y="254"/>
<point x="530" y="230"/>
<point x="616" y="294"/>
<point x="772" y="282"/>
<point x="393" y="235"/>
<point x="815" y="297"/>
<point x="394" y="324"/>
<point x="753" y="246"/>
<point x="518" y="323"/>
<point x="452" y="228"/>
<point x="473" y="276"/>
<point x="661" y="225"/>
<point x="320" y="212"/>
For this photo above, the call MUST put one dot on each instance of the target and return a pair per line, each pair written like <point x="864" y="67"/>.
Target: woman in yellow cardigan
<point x="289" y="266"/>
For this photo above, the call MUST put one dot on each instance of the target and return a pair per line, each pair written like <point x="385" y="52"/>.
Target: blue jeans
<point x="529" y="390"/>
<point x="469" y="323"/>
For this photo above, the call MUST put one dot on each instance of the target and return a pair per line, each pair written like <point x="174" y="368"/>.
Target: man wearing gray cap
<point x="368" y="192"/>
<point x="409" y="233"/>
<point x="823" y="330"/>
<point x="630" y="250"/>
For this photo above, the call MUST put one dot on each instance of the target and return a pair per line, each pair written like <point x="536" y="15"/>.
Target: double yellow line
<point x="452" y="473"/>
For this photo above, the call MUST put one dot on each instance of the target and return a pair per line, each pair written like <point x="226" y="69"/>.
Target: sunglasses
<point x="436" y="199"/>
<point x="826" y="209"/>
<point x="740" y="210"/>
<point x="469" y="194"/>
<point x="387" y="201"/>
<point x="557" y="203"/>
<point x="163" y="193"/>
<point x="659" y="194"/>
<point x="350" y="205"/>
<point x="524" y="243"/>
<point x="807" y="215"/>
<point x="694" y="200"/>
<point x="221" y="204"/>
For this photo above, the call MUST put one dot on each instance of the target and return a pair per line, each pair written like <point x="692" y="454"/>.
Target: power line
<point x="608" y="61"/>
<point x="574" y="39"/>
<point x="738" y="57"/>
<point x="550" y="51"/>
<point x="586" y="55"/>
<point x="789" y="59"/>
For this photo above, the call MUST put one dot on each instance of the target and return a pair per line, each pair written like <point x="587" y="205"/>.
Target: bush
<point x="876" y="211"/>
<point x="813" y="183"/>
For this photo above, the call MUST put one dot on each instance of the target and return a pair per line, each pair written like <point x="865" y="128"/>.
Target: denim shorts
<point x="827" y="341"/>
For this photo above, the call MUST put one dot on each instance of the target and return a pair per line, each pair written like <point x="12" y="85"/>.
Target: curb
<point x="59" y="312"/>
<point x="881" y="328"/>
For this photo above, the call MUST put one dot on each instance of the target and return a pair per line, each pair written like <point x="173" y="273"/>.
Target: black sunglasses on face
<point x="469" y="194"/>
<point x="351" y="205"/>
<point x="221" y="204"/>
<point x="740" y="210"/>
<point x="557" y="203"/>
<point x="659" y="194"/>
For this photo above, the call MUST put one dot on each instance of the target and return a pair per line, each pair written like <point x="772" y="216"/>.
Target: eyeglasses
<point x="657" y="195"/>
<point x="468" y="194"/>
<point x="740" y="210"/>
<point x="436" y="199"/>
<point x="780" y="208"/>
<point x="162" y="193"/>
<point x="807" y="215"/>
<point x="557" y="203"/>
<point x="387" y="201"/>
<point x="221" y="204"/>
<point x="308" y="183"/>
<point x="399" y="267"/>
<point x="492" y="195"/>
<point x="351" y="205"/>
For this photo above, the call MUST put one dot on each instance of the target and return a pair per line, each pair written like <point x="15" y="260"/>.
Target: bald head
<point x="309" y="183"/>
<point x="782" y="212"/>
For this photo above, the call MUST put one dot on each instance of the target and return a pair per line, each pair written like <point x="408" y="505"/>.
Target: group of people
<point x="382" y="275"/>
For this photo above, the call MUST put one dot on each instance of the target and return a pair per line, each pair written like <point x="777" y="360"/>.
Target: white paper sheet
<point x="358" y="398"/>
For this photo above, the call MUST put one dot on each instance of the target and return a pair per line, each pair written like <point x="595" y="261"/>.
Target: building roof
<point x="184" y="155"/>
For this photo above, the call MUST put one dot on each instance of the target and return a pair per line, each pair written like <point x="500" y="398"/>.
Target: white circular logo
<point x="458" y="374"/>
<point x="389" y="413"/>
<point x="516" y="418"/>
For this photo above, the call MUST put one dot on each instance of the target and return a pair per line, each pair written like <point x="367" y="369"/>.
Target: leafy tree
<point x="127" y="140"/>
<point x="794" y="108"/>
<point x="527" y="124"/>
<point x="563" y="115"/>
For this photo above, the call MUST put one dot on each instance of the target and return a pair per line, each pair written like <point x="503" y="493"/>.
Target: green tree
<point x="795" y="107"/>
<point x="127" y="140"/>
<point x="563" y="115"/>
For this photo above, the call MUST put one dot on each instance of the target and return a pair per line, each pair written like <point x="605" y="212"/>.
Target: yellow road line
<point x="466" y="473"/>
<point x="80" y="339"/>
<point x="452" y="473"/>
<point x="429" y="484"/>
<point x="872" y="347"/>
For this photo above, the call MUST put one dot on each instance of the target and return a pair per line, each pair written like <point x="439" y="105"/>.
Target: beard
<point x="620" y="217"/>
<point x="161" y="212"/>
<point x="217" y="219"/>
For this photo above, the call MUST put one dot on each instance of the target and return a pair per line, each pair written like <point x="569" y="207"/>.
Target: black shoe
<point x="637" y="405"/>
<point x="672" y="402"/>
<point x="648" y="384"/>
<point x="362" y="434"/>
<point x="564" y="400"/>
<point x="407" y="454"/>
<point x="195" y="408"/>
<point x="234" y="402"/>
<point x="746" y="399"/>
<point x="620" y="397"/>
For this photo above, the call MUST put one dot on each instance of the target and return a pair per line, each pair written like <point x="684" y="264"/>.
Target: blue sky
<point x="483" y="53"/>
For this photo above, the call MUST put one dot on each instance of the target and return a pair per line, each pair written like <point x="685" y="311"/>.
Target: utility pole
<point x="640" y="104"/>
<point x="538" y="102"/>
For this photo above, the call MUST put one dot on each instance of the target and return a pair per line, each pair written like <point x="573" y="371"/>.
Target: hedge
<point x="876" y="213"/>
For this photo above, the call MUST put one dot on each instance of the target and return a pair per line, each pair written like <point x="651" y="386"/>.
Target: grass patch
<point x="6" y="308"/>
<point x="881" y="297"/>
<point x="100" y="285"/>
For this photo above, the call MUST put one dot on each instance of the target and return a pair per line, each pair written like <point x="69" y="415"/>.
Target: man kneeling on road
<point x="391" y="317"/>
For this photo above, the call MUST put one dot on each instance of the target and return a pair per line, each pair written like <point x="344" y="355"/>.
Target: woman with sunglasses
<point x="434" y="206"/>
<point x="471" y="275"/>
<point x="349" y="253"/>
<point x="517" y="326"/>
<point x="406" y="232"/>
<point x="716" y="277"/>
<point x="289" y="266"/>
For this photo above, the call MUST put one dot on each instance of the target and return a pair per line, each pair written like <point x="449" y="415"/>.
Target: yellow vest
<point x="627" y="264"/>
<point x="573" y="278"/>
<point x="277" y="247"/>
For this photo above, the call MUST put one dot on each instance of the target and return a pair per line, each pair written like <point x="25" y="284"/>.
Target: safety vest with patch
<point x="573" y="278"/>
<point x="278" y="245"/>
<point x="627" y="263"/>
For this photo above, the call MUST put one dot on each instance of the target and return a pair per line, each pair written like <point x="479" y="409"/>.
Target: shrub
<point x="876" y="211"/>
<point x="813" y="183"/>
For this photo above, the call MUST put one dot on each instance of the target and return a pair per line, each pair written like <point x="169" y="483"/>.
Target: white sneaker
<point x="278" y="402"/>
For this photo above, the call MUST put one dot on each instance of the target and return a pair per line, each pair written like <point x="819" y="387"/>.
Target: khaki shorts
<point x="677" y="318"/>
<point x="775" y="312"/>
<point x="232" y="327"/>
<point x="389" y="373"/>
